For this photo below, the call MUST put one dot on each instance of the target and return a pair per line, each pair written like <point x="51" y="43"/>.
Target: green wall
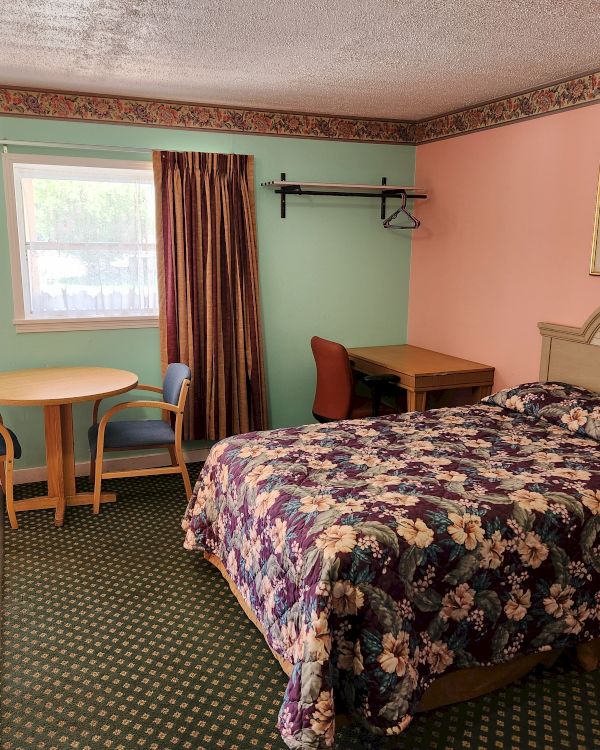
<point x="329" y="268"/>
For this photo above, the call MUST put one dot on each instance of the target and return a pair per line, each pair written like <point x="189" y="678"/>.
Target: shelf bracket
<point x="283" y="194"/>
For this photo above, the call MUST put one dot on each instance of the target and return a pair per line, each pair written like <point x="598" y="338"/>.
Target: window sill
<point x="38" y="325"/>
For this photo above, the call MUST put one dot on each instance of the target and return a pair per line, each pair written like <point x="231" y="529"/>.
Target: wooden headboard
<point x="572" y="354"/>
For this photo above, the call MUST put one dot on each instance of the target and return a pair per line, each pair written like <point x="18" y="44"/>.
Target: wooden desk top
<point x="63" y="385"/>
<point x="413" y="360"/>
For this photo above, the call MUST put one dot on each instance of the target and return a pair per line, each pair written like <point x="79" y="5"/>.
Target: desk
<point x="421" y="371"/>
<point x="57" y="389"/>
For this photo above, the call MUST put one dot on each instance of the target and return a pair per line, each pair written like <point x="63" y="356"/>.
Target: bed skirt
<point x="461" y="685"/>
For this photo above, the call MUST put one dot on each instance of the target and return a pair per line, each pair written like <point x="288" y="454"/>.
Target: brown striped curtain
<point x="208" y="285"/>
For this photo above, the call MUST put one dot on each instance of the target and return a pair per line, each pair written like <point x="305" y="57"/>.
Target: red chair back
<point x="335" y="384"/>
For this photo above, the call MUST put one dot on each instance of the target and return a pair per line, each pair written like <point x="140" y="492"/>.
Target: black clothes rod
<point x="285" y="187"/>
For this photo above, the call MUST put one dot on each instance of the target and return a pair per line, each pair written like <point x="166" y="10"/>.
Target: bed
<point x="385" y="560"/>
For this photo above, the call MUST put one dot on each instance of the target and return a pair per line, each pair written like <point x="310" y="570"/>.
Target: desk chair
<point x="143" y="434"/>
<point x="9" y="451"/>
<point x="335" y="396"/>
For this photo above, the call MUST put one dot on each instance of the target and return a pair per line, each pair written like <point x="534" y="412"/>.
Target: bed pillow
<point x="575" y="409"/>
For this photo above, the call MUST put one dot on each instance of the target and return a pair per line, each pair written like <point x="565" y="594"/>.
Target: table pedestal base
<point x="60" y="460"/>
<point x="81" y="498"/>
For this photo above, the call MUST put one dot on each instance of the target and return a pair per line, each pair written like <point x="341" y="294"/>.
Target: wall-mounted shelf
<point x="285" y="187"/>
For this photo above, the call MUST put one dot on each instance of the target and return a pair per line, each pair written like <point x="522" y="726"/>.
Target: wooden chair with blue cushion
<point x="10" y="450"/>
<point x="143" y="434"/>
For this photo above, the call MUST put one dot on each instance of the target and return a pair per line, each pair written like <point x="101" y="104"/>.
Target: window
<point x="83" y="243"/>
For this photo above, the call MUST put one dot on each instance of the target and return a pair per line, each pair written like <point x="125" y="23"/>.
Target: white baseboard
<point x="148" y="461"/>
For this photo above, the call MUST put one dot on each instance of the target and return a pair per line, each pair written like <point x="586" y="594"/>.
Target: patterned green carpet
<point x="114" y="637"/>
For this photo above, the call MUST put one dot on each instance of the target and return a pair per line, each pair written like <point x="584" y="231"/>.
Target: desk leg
<point x="481" y="391"/>
<point x="415" y="400"/>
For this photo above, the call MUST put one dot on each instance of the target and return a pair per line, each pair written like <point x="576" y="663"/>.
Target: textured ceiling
<point x="383" y="58"/>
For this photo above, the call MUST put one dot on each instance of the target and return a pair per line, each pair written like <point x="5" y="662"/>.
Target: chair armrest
<point x="139" y="387"/>
<point x="144" y="387"/>
<point x="377" y="386"/>
<point x="10" y="448"/>
<point x="95" y="410"/>
<point x="380" y="378"/>
<point x="366" y="378"/>
<point x="138" y="405"/>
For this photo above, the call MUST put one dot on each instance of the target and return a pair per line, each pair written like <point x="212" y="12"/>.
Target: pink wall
<point x="505" y="240"/>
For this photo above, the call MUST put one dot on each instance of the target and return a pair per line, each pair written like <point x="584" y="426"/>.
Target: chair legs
<point x="184" y="471"/>
<point x="96" y="468"/>
<point x="97" y="463"/>
<point x="6" y="478"/>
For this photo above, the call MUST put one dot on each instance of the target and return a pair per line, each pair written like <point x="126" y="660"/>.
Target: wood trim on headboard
<point x="584" y="334"/>
<point x="572" y="353"/>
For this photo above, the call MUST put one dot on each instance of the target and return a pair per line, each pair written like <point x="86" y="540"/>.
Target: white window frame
<point x="23" y="323"/>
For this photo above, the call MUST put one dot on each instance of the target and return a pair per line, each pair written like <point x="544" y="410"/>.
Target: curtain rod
<point x="82" y="146"/>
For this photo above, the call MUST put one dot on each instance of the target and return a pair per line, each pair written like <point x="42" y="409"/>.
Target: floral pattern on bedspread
<point x="379" y="554"/>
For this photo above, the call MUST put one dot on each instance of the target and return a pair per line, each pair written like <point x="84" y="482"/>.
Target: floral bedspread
<point x="380" y="553"/>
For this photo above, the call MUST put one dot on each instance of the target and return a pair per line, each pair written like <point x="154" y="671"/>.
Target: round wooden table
<point x="57" y="389"/>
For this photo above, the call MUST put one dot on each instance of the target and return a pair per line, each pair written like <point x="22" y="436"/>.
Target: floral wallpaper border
<point x="553" y="98"/>
<point x="122" y="110"/>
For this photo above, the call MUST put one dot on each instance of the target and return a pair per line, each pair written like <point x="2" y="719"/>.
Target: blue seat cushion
<point x="16" y="443"/>
<point x="139" y="433"/>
